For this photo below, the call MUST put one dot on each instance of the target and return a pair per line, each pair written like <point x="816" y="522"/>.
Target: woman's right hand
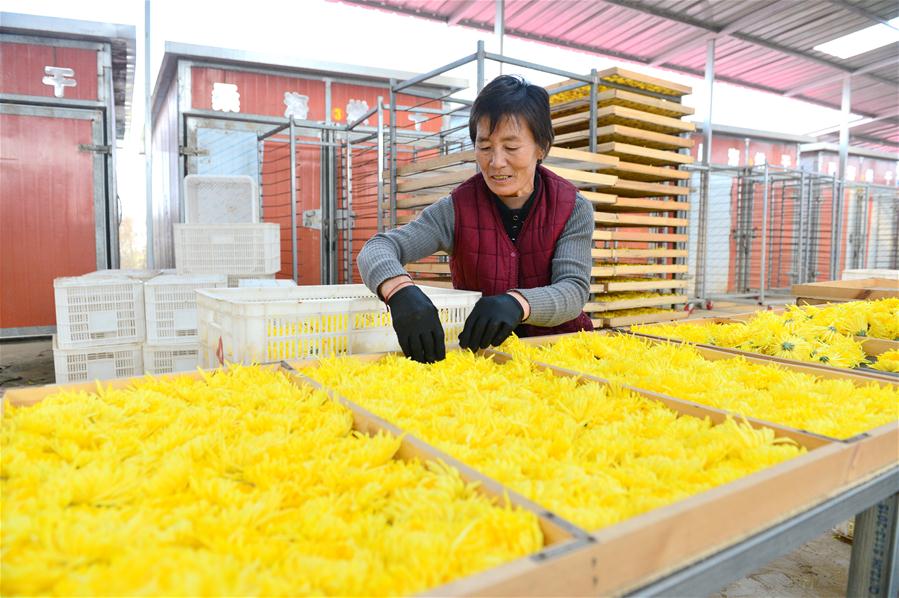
<point x="417" y="325"/>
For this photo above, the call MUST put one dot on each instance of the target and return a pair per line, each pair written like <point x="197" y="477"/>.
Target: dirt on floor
<point x="819" y="569"/>
<point x="26" y="363"/>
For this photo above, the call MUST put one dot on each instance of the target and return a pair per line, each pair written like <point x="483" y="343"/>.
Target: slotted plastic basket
<point x="169" y="359"/>
<point x="93" y="311"/>
<point x="218" y="199"/>
<point x="249" y="325"/>
<point x="236" y="249"/>
<point x="96" y="363"/>
<point x="171" y="304"/>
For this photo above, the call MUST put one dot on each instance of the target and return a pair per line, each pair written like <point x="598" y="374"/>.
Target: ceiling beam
<point x="832" y="78"/>
<point x="454" y="17"/>
<point x="858" y="123"/>
<point x="751" y="39"/>
<point x="732" y="27"/>
<point x="847" y="5"/>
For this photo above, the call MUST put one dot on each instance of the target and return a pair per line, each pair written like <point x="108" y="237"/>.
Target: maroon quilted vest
<point x="484" y="257"/>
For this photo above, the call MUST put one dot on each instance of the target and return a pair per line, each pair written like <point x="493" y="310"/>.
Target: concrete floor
<point x="819" y="569"/>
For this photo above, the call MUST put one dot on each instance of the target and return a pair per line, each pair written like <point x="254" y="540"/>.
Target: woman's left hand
<point x="491" y="322"/>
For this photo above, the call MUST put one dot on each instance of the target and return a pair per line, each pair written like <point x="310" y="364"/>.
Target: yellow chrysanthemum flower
<point x="595" y="455"/>
<point x="822" y="334"/>
<point x="888" y="361"/>
<point x="832" y="407"/>
<point x="235" y="483"/>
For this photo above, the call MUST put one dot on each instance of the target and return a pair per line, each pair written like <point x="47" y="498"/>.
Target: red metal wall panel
<point x="46" y="213"/>
<point x="22" y="70"/>
<point x="259" y="93"/>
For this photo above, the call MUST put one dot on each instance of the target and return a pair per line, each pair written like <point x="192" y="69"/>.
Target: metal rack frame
<point x="802" y="214"/>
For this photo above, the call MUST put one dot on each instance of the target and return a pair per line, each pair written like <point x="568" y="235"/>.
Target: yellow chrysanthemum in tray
<point x="888" y="361"/>
<point x="238" y="483"/>
<point x="805" y="333"/>
<point x="592" y="454"/>
<point x="832" y="407"/>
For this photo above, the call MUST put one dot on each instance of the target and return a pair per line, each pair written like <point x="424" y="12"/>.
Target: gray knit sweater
<point x="384" y="255"/>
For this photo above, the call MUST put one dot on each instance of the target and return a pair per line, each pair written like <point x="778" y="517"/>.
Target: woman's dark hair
<point x="511" y="95"/>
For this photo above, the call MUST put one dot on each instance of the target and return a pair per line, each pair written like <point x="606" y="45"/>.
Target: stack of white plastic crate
<point x="222" y="234"/>
<point x="115" y="323"/>
<point x="171" y="316"/>
<point x="99" y="326"/>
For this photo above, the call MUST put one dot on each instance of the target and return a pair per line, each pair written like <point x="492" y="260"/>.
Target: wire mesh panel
<point x="762" y="229"/>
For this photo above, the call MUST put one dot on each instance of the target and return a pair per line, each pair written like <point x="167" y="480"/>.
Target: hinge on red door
<point x="100" y="149"/>
<point x="185" y="150"/>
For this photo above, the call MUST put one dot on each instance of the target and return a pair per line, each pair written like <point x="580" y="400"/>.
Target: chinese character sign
<point x="225" y="97"/>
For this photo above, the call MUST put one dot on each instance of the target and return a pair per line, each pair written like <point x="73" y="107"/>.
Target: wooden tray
<point x="626" y="219"/>
<point x="561" y="565"/>
<point x="643" y="155"/>
<point x="650" y="284"/>
<point x="846" y="290"/>
<point x="606" y="271"/>
<point x="611" y="234"/>
<point x="626" y="253"/>
<point x="619" y="97"/>
<point x="558" y="156"/>
<point x="626" y="134"/>
<point x="602" y="306"/>
<point x="636" y="81"/>
<point x="647" y="546"/>
<point x="624" y="188"/>
<point x="617" y="321"/>
<point x="633" y="171"/>
<point x="642" y="82"/>
<point x="632" y="204"/>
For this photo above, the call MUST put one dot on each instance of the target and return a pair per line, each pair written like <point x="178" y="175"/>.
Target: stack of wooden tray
<point x="639" y="250"/>
<point x="421" y="183"/>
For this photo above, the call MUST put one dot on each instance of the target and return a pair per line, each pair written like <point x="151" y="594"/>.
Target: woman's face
<point x="507" y="157"/>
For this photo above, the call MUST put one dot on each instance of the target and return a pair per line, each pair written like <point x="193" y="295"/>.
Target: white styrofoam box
<point x="168" y="359"/>
<point x="862" y="274"/>
<point x="270" y="324"/>
<point x="238" y="249"/>
<point x="234" y="281"/>
<point x="171" y="305"/>
<point x="96" y="363"/>
<point x="265" y="282"/>
<point x="135" y="274"/>
<point x="94" y="311"/>
<point x="218" y="199"/>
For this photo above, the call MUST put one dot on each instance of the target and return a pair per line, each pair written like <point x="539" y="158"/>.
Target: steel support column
<point x="293" y="199"/>
<point x="844" y="126"/>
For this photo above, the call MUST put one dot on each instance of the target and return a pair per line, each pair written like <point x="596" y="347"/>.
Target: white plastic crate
<point x="235" y="281"/>
<point x="171" y="304"/>
<point x="217" y="199"/>
<point x="265" y="282"/>
<point x="96" y="363"/>
<point x="134" y="274"/>
<point x="237" y="249"/>
<point x="270" y="324"/>
<point x="93" y="311"/>
<point x="168" y="359"/>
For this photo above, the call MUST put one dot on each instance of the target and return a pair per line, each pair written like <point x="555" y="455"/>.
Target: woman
<point x="515" y="231"/>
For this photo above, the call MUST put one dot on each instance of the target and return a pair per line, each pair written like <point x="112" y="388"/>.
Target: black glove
<point x="491" y="322"/>
<point x="417" y="325"/>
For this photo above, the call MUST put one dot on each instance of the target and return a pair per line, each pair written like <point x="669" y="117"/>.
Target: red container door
<point x="48" y="207"/>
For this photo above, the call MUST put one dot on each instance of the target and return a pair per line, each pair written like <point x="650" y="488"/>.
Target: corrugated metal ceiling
<point x="764" y="44"/>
